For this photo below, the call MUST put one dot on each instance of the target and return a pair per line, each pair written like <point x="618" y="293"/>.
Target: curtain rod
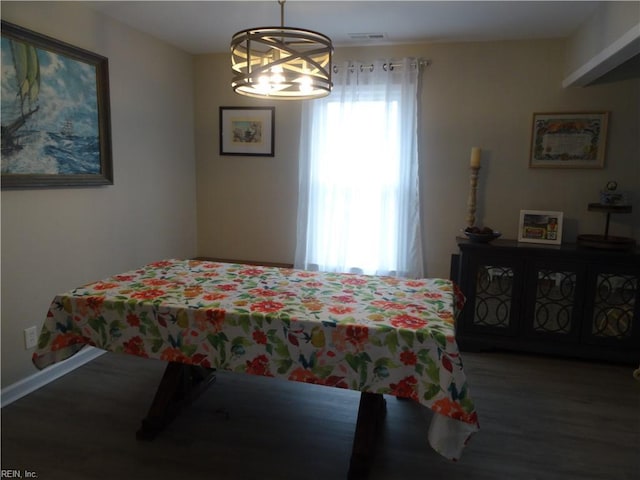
<point x="385" y="66"/>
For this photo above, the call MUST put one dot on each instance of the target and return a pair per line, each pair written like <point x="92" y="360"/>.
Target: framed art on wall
<point x="56" y="125"/>
<point x="247" y="131"/>
<point x="540" y="226"/>
<point x="568" y="140"/>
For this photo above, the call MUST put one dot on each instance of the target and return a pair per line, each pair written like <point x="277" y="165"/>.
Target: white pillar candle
<point x="475" y="157"/>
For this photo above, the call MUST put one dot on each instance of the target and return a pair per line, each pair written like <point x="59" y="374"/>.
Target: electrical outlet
<point x="30" y="337"/>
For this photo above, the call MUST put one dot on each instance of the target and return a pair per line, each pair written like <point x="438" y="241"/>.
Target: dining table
<point x="378" y="335"/>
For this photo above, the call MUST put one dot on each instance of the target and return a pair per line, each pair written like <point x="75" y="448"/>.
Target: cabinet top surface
<point x="505" y="245"/>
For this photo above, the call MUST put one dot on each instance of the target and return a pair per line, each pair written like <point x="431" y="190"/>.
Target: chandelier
<point x="281" y="62"/>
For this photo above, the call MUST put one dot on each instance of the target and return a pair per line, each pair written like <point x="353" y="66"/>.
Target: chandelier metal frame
<point x="281" y="62"/>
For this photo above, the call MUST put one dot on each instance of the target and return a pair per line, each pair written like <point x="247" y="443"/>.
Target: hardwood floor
<point x="540" y="418"/>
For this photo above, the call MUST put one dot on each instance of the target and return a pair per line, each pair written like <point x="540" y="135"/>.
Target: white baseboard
<point x="39" y="379"/>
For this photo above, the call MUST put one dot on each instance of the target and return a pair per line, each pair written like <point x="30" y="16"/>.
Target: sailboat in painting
<point x="27" y="73"/>
<point x="67" y="128"/>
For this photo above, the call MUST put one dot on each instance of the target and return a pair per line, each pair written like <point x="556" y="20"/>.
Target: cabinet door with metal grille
<point x="614" y="305"/>
<point x="495" y="283"/>
<point x="554" y="306"/>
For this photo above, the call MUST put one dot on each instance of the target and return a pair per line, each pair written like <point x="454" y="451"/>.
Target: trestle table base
<point x="371" y="412"/>
<point x="181" y="384"/>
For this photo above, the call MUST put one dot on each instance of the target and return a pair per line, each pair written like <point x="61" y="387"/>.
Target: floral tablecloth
<point x="372" y="334"/>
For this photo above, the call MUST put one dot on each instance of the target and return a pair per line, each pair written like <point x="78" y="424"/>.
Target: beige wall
<point x="57" y="239"/>
<point x="246" y="205"/>
<point x="473" y="94"/>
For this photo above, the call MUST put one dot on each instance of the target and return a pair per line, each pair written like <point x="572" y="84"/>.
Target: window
<point x="358" y="209"/>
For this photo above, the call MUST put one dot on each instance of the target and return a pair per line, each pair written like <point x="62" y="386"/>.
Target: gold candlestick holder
<point x="471" y="202"/>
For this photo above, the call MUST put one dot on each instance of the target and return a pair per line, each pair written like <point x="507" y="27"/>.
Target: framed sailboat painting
<point x="56" y="123"/>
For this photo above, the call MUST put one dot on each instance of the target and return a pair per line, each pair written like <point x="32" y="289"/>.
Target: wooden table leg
<point x="371" y="412"/>
<point x="180" y="385"/>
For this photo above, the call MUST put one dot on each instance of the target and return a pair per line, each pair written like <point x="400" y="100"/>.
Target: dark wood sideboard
<point x="563" y="300"/>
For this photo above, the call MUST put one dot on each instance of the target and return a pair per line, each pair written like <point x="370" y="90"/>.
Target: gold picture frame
<point x="568" y="140"/>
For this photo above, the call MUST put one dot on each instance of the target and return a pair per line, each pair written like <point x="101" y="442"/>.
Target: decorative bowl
<point x="482" y="237"/>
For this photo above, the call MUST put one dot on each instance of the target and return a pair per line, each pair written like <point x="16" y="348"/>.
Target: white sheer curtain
<point x="358" y="205"/>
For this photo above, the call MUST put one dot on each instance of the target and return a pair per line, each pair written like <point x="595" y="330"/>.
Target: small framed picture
<point x="247" y="131"/>
<point x="568" y="140"/>
<point x="540" y="226"/>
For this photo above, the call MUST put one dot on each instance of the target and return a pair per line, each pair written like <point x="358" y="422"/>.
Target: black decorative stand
<point x="607" y="241"/>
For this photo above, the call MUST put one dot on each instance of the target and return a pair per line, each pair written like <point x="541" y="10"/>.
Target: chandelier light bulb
<point x="305" y="84"/>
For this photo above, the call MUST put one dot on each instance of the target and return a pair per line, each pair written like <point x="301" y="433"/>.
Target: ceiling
<point x="207" y="26"/>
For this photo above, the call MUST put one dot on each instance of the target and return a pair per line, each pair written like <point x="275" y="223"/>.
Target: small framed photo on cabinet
<point x="540" y="226"/>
